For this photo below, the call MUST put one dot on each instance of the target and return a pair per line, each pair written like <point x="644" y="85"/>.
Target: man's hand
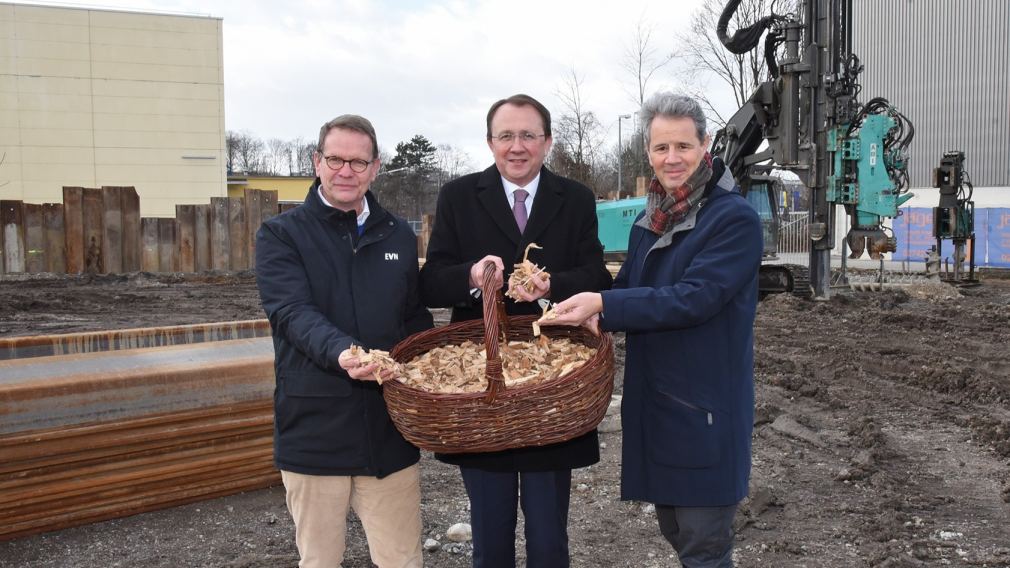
<point x="477" y="272"/>
<point x="541" y="289"/>
<point x="581" y="309"/>
<point x="357" y="370"/>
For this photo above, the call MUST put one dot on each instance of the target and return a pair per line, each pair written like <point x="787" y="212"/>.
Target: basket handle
<point x="495" y="323"/>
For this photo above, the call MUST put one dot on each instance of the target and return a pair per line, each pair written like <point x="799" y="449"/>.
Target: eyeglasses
<point x="358" y="166"/>
<point x="524" y="137"/>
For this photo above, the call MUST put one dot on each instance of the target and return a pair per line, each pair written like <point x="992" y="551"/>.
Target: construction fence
<point x="100" y="230"/>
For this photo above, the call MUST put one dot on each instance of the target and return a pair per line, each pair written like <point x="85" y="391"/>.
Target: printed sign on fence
<point x="913" y="230"/>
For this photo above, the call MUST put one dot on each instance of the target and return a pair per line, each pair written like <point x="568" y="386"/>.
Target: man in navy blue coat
<point x="686" y="297"/>
<point x="335" y="271"/>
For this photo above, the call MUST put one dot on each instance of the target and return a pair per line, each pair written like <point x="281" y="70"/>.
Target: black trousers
<point x="702" y="536"/>
<point x="544" y="498"/>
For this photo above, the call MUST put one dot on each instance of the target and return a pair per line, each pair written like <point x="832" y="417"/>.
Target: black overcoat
<point x="473" y="219"/>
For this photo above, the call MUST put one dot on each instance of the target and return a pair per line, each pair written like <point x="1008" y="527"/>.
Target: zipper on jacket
<point x="689" y="405"/>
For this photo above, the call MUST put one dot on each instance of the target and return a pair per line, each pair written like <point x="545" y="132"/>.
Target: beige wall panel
<point x="131" y="21"/>
<point x="53" y="67"/>
<point x="6" y="15"/>
<point x="154" y="156"/>
<point x="60" y="174"/>
<point x="47" y="119"/>
<point x="154" y="123"/>
<point x="200" y="142"/>
<point x="54" y="102"/>
<point x="46" y="31"/>
<point x="57" y="155"/>
<point x="158" y="89"/>
<point x="155" y="55"/>
<point x="145" y="89"/>
<point x="10" y="173"/>
<point x="50" y="49"/>
<point x="9" y="118"/>
<point x="10" y="138"/>
<point x="164" y="107"/>
<point x="147" y="72"/>
<point x="12" y="192"/>
<point x="54" y="85"/>
<point x="57" y="137"/>
<point x="116" y="174"/>
<point x="46" y="191"/>
<point x="120" y="36"/>
<point x="43" y="14"/>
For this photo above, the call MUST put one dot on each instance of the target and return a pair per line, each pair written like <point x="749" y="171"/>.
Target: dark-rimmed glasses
<point x="357" y="165"/>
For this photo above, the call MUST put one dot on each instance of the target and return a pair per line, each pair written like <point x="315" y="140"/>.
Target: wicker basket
<point x="499" y="419"/>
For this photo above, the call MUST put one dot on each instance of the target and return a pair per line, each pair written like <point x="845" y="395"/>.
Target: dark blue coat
<point x="324" y="288"/>
<point x="687" y="304"/>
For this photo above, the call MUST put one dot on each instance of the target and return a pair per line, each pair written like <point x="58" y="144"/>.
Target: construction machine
<point x="954" y="217"/>
<point x="807" y="119"/>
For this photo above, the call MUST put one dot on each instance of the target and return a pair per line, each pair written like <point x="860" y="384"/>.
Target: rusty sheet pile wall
<point x="101" y="231"/>
<point x="89" y="436"/>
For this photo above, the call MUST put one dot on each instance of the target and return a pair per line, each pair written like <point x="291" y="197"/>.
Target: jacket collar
<point x="316" y="207"/>
<point x="720" y="185"/>
<point x="548" y="201"/>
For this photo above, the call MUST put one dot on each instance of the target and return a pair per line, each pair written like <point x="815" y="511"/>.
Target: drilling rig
<point x="807" y="119"/>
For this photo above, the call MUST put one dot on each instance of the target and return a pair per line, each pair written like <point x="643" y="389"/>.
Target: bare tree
<point x="705" y="56"/>
<point x="303" y="150"/>
<point x="642" y="59"/>
<point x="577" y="134"/>
<point x="279" y="157"/>
<point x="245" y="152"/>
<point x="451" y="162"/>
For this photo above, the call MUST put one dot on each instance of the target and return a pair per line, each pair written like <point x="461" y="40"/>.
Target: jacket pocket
<point x="314" y="383"/>
<point x="681" y="434"/>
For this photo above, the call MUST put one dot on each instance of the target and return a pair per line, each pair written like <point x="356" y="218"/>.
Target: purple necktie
<point x="519" y="209"/>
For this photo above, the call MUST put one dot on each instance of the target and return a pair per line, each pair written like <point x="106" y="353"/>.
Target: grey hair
<point x="671" y="105"/>
<point x="351" y="122"/>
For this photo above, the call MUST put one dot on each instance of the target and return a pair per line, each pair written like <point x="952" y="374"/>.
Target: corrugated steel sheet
<point x="946" y="65"/>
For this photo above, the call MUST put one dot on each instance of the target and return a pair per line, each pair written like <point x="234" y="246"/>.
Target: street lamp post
<point x="620" y="154"/>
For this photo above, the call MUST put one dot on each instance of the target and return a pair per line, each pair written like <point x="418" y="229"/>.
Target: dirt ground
<point x="882" y="439"/>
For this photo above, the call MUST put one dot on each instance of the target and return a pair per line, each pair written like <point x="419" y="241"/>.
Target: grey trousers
<point x="702" y="536"/>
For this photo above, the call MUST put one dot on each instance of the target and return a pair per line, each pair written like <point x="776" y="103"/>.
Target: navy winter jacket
<point x="323" y="288"/>
<point x="687" y="303"/>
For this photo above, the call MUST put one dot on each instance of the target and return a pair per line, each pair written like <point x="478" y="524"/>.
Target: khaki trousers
<point x="389" y="509"/>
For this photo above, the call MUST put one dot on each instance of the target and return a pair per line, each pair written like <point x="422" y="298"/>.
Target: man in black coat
<point x="340" y="270"/>
<point x="490" y="217"/>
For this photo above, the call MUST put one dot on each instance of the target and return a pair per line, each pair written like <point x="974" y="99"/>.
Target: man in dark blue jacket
<point x="686" y="296"/>
<point x="340" y="270"/>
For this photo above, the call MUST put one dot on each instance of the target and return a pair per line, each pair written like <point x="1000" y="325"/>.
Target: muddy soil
<point x="882" y="439"/>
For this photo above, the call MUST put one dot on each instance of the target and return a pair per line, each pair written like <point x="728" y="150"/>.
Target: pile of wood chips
<point x="524" y="273"/>
<point x="460" y="368"/>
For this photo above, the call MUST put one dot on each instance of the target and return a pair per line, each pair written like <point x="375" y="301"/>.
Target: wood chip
<point x="379" y="357"/>
<point x="460" y="368"/>
<point x="524" y="273"/>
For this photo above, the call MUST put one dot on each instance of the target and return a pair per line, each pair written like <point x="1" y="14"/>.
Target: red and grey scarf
<point x="664" y="209"/>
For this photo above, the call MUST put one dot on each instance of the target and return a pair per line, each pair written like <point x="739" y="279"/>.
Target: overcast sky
<point x="423" y="67"/>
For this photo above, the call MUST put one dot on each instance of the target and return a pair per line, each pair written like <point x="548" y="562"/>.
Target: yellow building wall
<point x="97" y="97"/>
<point x="288" y="188"/>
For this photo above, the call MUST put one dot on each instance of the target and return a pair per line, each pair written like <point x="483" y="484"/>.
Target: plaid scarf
<point x="664" y="209"/>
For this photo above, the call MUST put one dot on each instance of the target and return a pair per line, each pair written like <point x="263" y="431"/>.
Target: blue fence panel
<point x="998" y="236"/>
<point x="913" y="230"/>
